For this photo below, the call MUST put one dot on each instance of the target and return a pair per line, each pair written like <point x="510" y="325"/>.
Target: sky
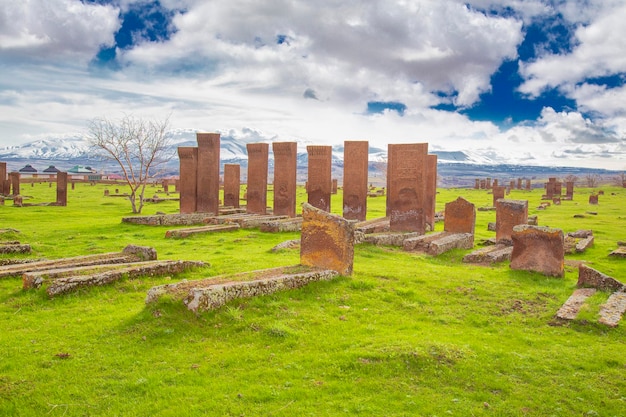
<point x="533" y="82"/>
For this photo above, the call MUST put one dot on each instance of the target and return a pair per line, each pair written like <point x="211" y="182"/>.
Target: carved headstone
<point x="593" y="199"/>
<point x="62" y="189"/>
<point x="355" y="180"/>
<point x="460" y="217"/>
<point x="550" y="189"/>
<point x="569" y="190"/>
<point x="498" y="193"/>
<point x="208" y="173"/>
<point x="477" y="184"/>
<point x="232" y="185"/>
<point x="495" y="183"/>
<point x="483" y="184"/>
<point x="285" y="160"/>
<point x="509" y="213"/>
<point x="488" y="183"/>
<point x="406" y="187"/>
<point x="257" y="178"/>
<point x="431" y="190"/>
<point x="165" y="184"/>
<point x="539" y="249"/>
<point x="319" y="176"/>
<point x="327" y="240"/>
<point x="512" y="185"/>
<point x="188" y="157"/>
<point x="3" y="178"/>
<point x="558" y="188"/>
<point x="334" y="186"/>
<point x="519" y="183"/>
<point x="527" y="185"/>
<point x="17" y="200"/>
<point x="15" y="183"/>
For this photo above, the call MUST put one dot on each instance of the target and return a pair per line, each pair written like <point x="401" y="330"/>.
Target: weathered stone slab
<point x="620" y="252"/>
<point x="388" y="239"/>
<point x="327" y="240"/>
<point x="183" y="233"/>
<point x="212" y="293"/>
<point x="154" y="268"/>
<point x="208" y="173"/>
<point x="589" y="277"/>
<point x="284" y="225"/>
<point x="430" y="194"/>
<point x="509" y="213"/>
<point x="406" y="187"/>
<point x="572" y="306"/>
<point x="379" y="225"/>
<point x="538" y="249"/>
<point x="355" y="170"/>
<point x="460" y="217"/>
<point x="449" y="242"/>
<point x="421" y="242"/>
<point x="581" y="234"/>
<point x="593" y="199"/>
<point x="285" y="163"/>
<point x="232" y="185"/>
<point x="170" y="219"/>
<point x="489" y="255"/>
<point x="257" y="177"/>
<point x="288" y="244"/>
<point x="319" y="181"/>
<point x="188" y="157"/>
<point x="612" y="311"/>
<point x="584" y="244"/>
<point x="498" y="193"/>
<point x="14" y="247"/>
<point x="61" y="189"/>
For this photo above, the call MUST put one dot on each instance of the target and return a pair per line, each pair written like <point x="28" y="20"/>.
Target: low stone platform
<point x="379" y="225"/>
<point x="212" y="293"/>
<point x="620" y="252"/>
<point x="131" y="253"/>
<point x="244" y="220"/>
<point x="387" y="239"/>
<point x="489" y="255"/>
<point x="14" y="247"/>
<point x="578" y="241"/>
<point x="283" y="225"/>
<point x="612" y="311"/>
<point x="574" y="303"/>
<point x="439" y="242"/>
<point x="132" y="271"/>
<point x="170" y="219"/>
<point x="183" y="233"/>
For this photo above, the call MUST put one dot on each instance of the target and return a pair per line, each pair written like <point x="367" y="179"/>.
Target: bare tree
<point x="571" y="178"/>
<point x="620" y="179"/>
<point x="137" y="145"/>
<point x="592" y="180"/>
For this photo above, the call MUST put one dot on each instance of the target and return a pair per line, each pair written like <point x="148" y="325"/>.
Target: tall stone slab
<point x="460" y="217"/>
<point x="208" y="173"/>
<point x="569" y="190"/>
<point x="538" y="249"/>
<point x="528" y="185"/>
<point x="494" y="183"/>
<point x="285" y="162"/>
<point x="558" y="188"/>
<point x="431" y="190"/>
<point x="188" y="157"/>
<point x="319" y="181"/>
<point x="509" y="213"/>
<point x="232" y="185"/>
<point x="406" y="187"/>
<point x="519" y="183"/>
<point x="327" y="240"/>
<point x="355" y="162"/>
<point x="498" y="193"/>
<point x="257" y="178"/>
<point x="477" y="184"/>
<point x="488" y="183"/>
<point x="62" y="189"/>
<point x="15" y="183"/>
<point x="550" y="189"/>
<point x="3" y="178"/>
<point x="512" y="185"/>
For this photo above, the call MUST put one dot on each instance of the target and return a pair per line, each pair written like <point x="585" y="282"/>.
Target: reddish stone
<point x="483" y="184"/>
<point x="3" y="178"/>
<point x="512" y="185"/>
<point x="509" y="213"/>
<point x="188" y="157"/>
<point x="355" y="180"/>
<point x="165" y="184"/>
<point x="558" y="188"/>
<point x="406" y="187"/>
<point x="498" y="193"/>
<point x="62" y="188"/>
<point x="285" y="160"/>
<point x="528" y="185"/>
<point x="208" y="173"/>
<point x="460" y="217"/>
<point x="589" y="277"/>
<point x="327" y="240"/>
<point x="569" y="190"/>
<point x="593" y="199"/>
<point x="17" y="200"/>
<point x="319" y="176"/>
<point x="538" y="249"/>
<point x="232" y="185"/>
<point x="550" y="189"/>
<point x="477" y="184"/>
<point x="15" y="182"/>
<point x="431" y="190"/>
<point x="257" y="178"/>
<point x="488" y="184"/>
<point x="519" y="183"/>
<point x="494" y="184"/>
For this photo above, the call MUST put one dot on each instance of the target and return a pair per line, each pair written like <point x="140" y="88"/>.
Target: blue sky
<point x="535" y="81"/>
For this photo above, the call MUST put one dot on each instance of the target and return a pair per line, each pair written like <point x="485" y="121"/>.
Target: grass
<point x="406" y="335"/>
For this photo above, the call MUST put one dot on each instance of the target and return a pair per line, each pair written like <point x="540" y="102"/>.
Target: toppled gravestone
<point x="538" y="249"/>
<point x="578" y="241"/>
<point x="14" y="247"/>
<point x="589" y="277"/>
<point x="327" y="240"/>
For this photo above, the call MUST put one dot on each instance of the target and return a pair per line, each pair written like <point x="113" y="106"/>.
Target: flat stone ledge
<point x="612" y="311"/>
<point x="283" y="225"/>
<point x="183" y="233"/>
<point x="574" y="303"/>
<point x="380" y="225"/>
<point x="14" y="248"/>
<point x="589" y="277"/>
<point x="387" y="239"/>
<point x="620" y="252"/>
<point x="489" y="255"/>
<point x="212" y="293"/>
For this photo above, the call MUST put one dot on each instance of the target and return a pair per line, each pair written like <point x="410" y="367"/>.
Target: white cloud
<point x="54" y="30"/>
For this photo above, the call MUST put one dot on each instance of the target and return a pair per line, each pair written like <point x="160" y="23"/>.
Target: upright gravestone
<point x="528" y="185"/>
<point x="62" y="189"/>
<point x="498" y="193"/>
<point x="431" y="190"/>
<point x="519" y="183"/>
<point x="165" y="184"/>
<point x="232" y="185"/>
<point x="558" y="188"/>
<point x="569" y="190"/>
<point x="3" y="178"/>
<point x="538" y="249"/>
<point x="550" y="189"/>
<point x="257" y="178"/>
<point x="188" y="157"/>
<point x="494" y="183"/>
<point x="208" y="173"/>
<point x="483" y="184"/>
<point x="460" y="217"/>
<point x="319" y="176"/>
<point x="355" y="179"/>
<point x="285" y="162"/>
<point x="593" y="199"/>
<point x="15" y="183"/>
<point x="512" y="185"/>
<point x="477" y="184"/>
<point x="488" y="183"/>
<point x="327" y="240"/>
<point x="334" y="186"/>
<point x="509" y="213"/>
<point x="406" y="187"/>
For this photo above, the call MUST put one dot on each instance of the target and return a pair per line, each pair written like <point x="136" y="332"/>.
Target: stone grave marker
<point x="539" y="249"/>
<point x="406" y="187"/>
<point x="285" y="161"/>
<point x="188" y="157"/>
<point x="319" y="176"/>
<point x="509" y="213"/>
<point x="257" y="178"/>
<point x="232" y="185"/>
<point x="208" y="173"/>
<point x="355" y="180"/>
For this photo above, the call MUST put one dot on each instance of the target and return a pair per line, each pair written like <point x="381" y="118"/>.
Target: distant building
<point x="28" y="171"/>
<point x="51" y="170"/>
<point x="84" y="172"/>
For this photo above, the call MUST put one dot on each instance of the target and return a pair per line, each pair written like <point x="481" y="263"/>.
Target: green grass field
<point x="406" y="335"/>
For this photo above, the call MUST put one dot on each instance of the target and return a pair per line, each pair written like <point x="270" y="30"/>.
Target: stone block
<point x="460" y="216"/>
<point x="538" y="249"/>
<point x="285" y="161"/>
<point x="589" y="277"/>
<point x="355" y="171"/>
<point x="319" y="181"/>
<point x="509" y="213"/>
<point x="327" y="240"/>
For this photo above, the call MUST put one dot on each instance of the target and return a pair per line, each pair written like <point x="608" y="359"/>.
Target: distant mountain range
<point x="455" y="168"/>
